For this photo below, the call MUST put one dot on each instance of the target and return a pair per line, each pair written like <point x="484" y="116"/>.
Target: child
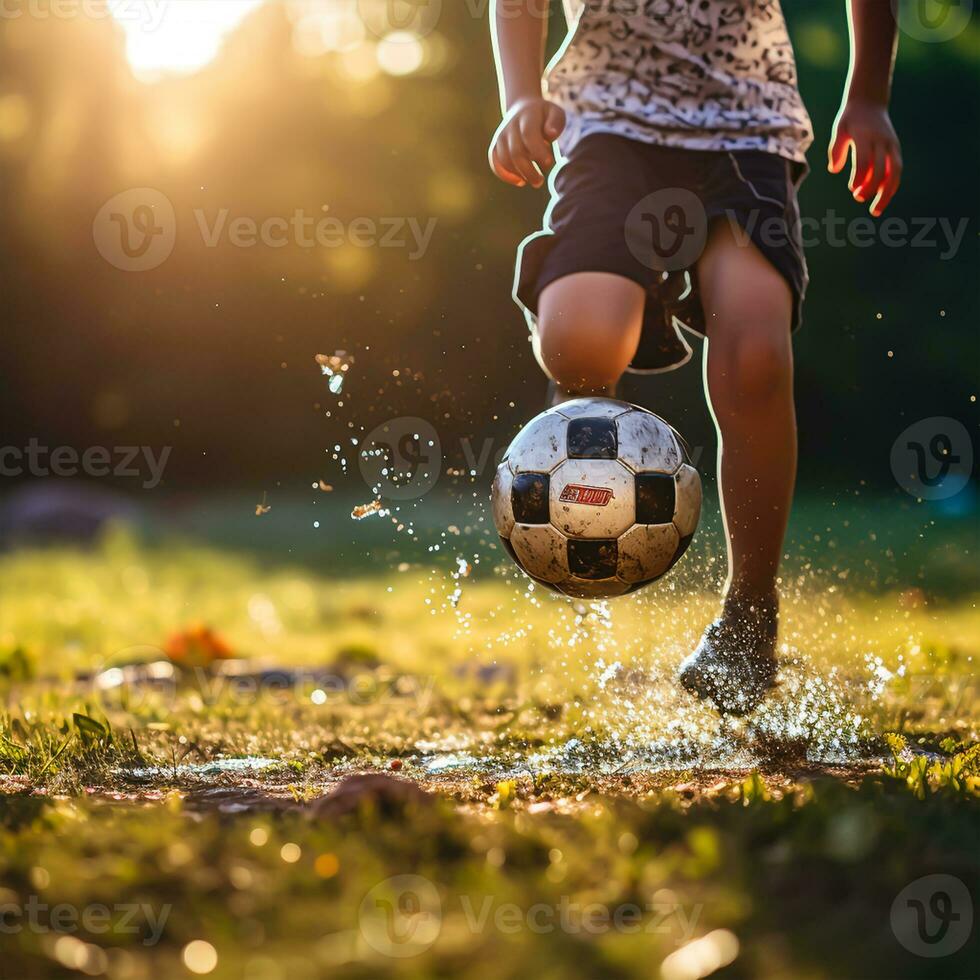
<point x="660" y="101"/>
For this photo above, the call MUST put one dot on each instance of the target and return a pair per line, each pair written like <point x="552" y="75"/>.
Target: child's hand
<point x="520" y="151"/>
<point x="876" y="156"/>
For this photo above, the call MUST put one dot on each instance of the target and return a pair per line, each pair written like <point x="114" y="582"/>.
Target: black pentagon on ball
<point x="592" y="439"/>
<point x="529" y="498"/>
<point x="654" y="498"/>
<point x="592" y="559"/>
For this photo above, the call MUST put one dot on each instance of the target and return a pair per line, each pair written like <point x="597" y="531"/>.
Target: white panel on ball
<point x="687" y="499"/>
<point x="503" y="510"/>
<point x="592" y="498"/>
<point x="542" y="550"/>
<point x="541" y="445"/>
<point x="646" y="551"/>
<point x="647" y="444"/>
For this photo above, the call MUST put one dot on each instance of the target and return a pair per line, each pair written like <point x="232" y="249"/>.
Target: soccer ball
<point x="596" y="498"/>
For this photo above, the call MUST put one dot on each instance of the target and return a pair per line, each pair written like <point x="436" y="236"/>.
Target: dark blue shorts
<point x="643" y="211"/>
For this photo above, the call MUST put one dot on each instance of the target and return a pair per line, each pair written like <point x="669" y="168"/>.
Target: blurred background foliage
<point x="279" y="106"/>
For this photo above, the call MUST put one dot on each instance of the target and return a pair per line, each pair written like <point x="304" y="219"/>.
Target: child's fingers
<point x="837" y="151"/>
<point x="554" y="121"/>
<point x="875" y="176"/>
<point x="889" y="187"/>
<point x="861" y="163"/>
<point x="538" y="148"/>
<point x="503" y="166"/>
<point x="521" y="159"/>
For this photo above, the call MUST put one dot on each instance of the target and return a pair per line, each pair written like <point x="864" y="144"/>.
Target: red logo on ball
<point x="577" y="493"/>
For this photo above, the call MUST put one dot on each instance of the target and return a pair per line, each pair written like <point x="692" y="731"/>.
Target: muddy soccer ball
<point x="596" y="498"/>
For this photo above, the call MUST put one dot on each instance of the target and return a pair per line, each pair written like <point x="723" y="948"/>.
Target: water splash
<point x="204" y="771"/>
<point x="366" y="510"/>
<point x="335" y="367"/>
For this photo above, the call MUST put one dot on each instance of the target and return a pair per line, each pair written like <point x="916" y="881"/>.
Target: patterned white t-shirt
<point x="700" y="74"/>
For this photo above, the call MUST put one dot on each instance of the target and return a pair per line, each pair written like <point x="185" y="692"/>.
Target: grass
<point x="564" y="809"/>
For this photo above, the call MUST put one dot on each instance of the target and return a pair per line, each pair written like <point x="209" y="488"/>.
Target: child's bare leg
<point x="749" y="379"/>
<point x="589" y="326"/>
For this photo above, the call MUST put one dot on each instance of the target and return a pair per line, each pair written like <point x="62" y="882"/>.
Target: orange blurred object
<point x="913" y="598"/>
<point x="196" y="646"/>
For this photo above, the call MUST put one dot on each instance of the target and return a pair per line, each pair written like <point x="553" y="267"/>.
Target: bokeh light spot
<point x="200" y="956"/>
<point x="400" y="53"/>
<point x="15" y="116"/>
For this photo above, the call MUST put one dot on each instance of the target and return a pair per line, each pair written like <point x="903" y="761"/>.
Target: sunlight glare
<point x="187" y="38"/>
<point x="400" y="53"/>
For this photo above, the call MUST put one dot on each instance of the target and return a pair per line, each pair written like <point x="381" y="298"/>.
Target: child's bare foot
<point x="734" y="665"/>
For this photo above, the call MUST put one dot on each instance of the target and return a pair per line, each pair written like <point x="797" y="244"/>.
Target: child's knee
<point x="577" y="353"/>
<point x="588" y="329"/>
<point x="753" y="365"/>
